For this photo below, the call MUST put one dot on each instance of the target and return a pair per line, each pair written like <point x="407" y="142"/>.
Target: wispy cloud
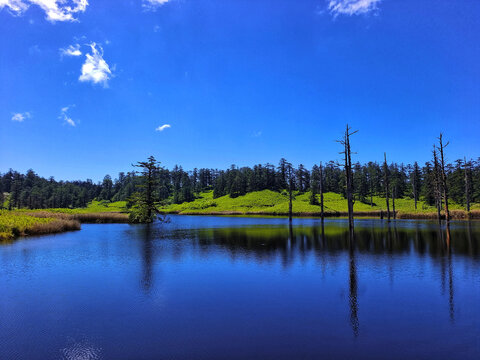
<point x="55" y="10"/>
<point x="20" y="117"/>
<point x="65" y="117"/>
<point x="72" y="50"/>
<point x="352" y="7"/>
<point x="16" y="7"/>
<point x="163" y="127"/>
<point x="152" y="4"/>
<point x="257" y="134"/>
<point x="95" y="69"/>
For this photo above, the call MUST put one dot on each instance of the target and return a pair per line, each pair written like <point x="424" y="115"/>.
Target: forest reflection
<point x="268" y="241"/>
<point x="290" y="244"/>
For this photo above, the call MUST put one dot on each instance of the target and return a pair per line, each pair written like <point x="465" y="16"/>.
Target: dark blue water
<point x="243" y="288"/>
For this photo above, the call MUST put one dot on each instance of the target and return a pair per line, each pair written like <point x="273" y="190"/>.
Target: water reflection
<point x="352" y="295"/>
<point x="353" y="286"/>
<point x="291" y="243"/>
<point x="146" y="238"/>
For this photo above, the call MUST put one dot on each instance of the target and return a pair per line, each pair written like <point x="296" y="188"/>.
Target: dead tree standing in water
<point x="290" y="190"/>
<point x="437" y="184"/>
<point x="393" y="203"/>
<point x="348" y="173"/>
<point x="415" y="180"/>
<point x="387" y="183"/>
<point x="321" y="191"/>
<point x="467" y="186"/>
<point x="441" y="147"/>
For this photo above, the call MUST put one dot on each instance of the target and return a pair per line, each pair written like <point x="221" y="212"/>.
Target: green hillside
<point x="274" y="203"/>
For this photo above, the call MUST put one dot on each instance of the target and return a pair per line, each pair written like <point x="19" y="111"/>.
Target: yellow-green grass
<point x="268" y="202"/>
<point x="95" y="212"/>
<point x="13" y="224"/>
<point x="92" y="207"/>
<point x="43" y="221"/>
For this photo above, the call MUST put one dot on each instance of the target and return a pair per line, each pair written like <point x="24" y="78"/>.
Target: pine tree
<point x="144" y="209"/>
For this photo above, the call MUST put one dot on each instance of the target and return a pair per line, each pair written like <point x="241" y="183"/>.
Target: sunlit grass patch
<point x="13" y="224"/>
<point x="269" y="202"/>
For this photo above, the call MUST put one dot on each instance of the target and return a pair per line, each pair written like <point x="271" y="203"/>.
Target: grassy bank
<point x="49" y="221"/>
<point x="13" y="224"/>
<point x="268" y="202"/>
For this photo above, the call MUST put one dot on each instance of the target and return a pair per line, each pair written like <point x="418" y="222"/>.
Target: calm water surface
<point x="243" y="288"/>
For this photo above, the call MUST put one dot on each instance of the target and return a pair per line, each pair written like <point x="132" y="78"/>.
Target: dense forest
<point x="177" y="185"/>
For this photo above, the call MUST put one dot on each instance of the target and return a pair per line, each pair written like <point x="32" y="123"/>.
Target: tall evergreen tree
<point x="144" y="210"/>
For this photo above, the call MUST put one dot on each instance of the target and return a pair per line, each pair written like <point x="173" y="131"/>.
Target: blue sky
<point x="85" y="86"/>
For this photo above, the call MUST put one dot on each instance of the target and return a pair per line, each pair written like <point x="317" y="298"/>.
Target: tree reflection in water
<point x="293" y="243"/>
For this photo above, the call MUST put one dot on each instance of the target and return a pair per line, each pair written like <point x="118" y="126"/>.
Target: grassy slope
<point x="270" y="202"/>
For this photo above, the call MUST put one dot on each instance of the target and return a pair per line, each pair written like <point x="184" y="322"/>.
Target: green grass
<point x="13" y="224"/>
<point x="274" y="203"/>
<point x="42" y="221"/>
<point x="92" y="208"/>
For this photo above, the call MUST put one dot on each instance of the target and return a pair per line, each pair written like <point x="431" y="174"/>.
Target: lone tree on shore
<point x="345" y="141"/>
<point x="143" y="201"/>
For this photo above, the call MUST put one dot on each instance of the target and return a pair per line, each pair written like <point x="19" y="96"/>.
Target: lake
<point x="205" y="287"/>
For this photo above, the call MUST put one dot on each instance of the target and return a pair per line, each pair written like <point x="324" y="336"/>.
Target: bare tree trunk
<point x="467" y="187"/>
<point x="437" y="190"/>
<point x="387" y="184"/>
<point x="414" y="187"/>
<point x="393" y="203"/>
<point x="444" y="178"/>
<point x="321" y="192"/>
<point x="290" y="206"/>
<point x="348" y="174"/>
<point x="371" y="192"/>
<point x="290" y="194"/>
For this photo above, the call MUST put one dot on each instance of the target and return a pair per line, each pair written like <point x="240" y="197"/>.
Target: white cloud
<point x="152" y="4"/>
<point x="95" y="69"/>
<point x="352" y="7"/>
<point x="64" y="116"/>
<point x="16" y="7"/>
<point x="55" y="10"/>
<point x="257" y="134"/>
<point x="163" y="127"/>
<point x="20" y="117"/>
<point x="72" y="50"/>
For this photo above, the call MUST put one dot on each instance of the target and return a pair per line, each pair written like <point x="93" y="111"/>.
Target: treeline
<point x="176" y="185"/>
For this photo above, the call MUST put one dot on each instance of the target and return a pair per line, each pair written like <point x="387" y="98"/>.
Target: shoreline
<point x="32" y="223"/>
<point x="57" y="222"/>
<point x="454" y="214"/>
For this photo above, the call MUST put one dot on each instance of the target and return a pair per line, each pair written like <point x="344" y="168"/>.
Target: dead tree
<point x="386" y="183"/>
<point x="441" y="147"/>
<point x="467" y="186"/>
<point x="321" y="192"/>
<point x="290" y="191"/>
<point x="393" y="203"/>
<point x="415" y="183"/>
<point x="345" y="141"/>
<point x="437" y="184"/>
